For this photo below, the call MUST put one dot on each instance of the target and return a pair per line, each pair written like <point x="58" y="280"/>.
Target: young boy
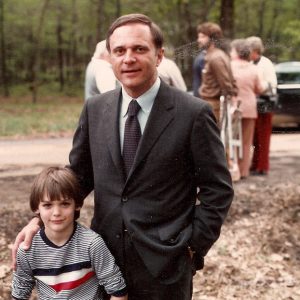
<point x="66" y="260"/>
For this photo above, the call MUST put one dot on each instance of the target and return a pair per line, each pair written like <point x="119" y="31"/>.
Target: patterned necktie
<point x="132" y="135"/>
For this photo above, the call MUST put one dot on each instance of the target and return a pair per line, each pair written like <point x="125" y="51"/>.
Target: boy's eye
<point x="46" y="205"/>
<point x="66" y="202"/>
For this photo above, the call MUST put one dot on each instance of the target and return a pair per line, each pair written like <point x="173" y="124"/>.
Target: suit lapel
<point x="161" y="115"/>
<point x="111" y="125"/>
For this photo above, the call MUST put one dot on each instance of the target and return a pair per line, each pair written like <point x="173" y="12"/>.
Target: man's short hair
<point x="56" y="183"/>
<point x="256" y="44"/>
<point x="156" y="32"/>
<point x="212" y="30"/>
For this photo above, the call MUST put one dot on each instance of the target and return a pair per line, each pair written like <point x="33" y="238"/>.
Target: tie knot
<point x="133" y="108"/>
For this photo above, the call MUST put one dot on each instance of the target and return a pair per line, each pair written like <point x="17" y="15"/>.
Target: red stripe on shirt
<point x="72" y="284"/>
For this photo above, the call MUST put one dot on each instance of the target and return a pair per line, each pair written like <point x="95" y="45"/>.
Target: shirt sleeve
<point x="107" y="271"/>
<point x="23" y="281"/>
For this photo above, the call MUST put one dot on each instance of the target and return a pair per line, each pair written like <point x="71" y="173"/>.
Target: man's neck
<point x="211" y="47"/>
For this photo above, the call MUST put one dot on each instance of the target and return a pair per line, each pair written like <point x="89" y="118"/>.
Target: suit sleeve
<point x="80" y="155"/>
<point x="213" y="180"/>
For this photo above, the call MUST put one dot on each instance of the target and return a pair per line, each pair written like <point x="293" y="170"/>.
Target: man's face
<point x="254" y="55"/>
<point x="134" y="58"/>
<point x="203" y="40"/>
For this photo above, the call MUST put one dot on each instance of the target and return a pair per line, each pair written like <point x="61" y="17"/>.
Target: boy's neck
<point x="59" y="238"/>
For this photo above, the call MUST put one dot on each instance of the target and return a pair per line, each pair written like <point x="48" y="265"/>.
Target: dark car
<point x="287" y="112"/>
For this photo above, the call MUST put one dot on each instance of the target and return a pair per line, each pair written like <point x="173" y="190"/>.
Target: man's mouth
<point x="130" y="71"/>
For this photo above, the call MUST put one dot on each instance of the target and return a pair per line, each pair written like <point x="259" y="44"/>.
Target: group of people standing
<point x="153" y="156"/>
<point x="241" y="74"/>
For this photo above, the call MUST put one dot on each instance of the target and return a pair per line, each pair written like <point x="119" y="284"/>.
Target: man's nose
<point x="129" y="56"/>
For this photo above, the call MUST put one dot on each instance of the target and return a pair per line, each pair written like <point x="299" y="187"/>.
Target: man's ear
<point x="160" y="55"/>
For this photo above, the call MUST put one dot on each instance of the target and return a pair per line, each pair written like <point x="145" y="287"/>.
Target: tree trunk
<point x="71" y="57"/>
<point x="261" y="17"/>
<point x="227" y="18"/>
<point x="3" y="52"/>
<point x="100" y="21"/>
<point x="59" y="30"/>
<point x="37" y="53"/>
<point x="118" y="8"/>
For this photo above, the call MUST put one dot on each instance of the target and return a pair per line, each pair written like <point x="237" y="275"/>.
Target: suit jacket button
<point x="124" y="199"/>
<point x="118" y="236"/>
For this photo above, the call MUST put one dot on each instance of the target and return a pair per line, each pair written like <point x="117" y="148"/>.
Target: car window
<point x="288" y="78"/>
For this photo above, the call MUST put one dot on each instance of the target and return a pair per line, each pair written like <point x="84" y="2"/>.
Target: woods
<point x="48" y="43"/>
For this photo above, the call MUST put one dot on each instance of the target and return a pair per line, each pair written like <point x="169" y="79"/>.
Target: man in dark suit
<point x="146" y="209"/>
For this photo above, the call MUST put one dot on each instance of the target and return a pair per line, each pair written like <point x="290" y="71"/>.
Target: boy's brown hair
<point x="57" y="183"/>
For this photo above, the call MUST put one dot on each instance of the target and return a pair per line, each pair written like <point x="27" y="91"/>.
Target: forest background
<point x="45" y="45"/>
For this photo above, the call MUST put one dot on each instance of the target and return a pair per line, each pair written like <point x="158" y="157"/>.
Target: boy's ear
<point x="78" y="208"/>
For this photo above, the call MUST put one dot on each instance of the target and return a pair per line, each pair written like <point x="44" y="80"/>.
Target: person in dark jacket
<point x="149" y="151"/>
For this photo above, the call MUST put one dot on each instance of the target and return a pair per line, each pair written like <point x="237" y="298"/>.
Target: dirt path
<point x="257" y="255"/>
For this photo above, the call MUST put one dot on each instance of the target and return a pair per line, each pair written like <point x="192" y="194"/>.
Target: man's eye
<point x="140" y="49"/>
<point x="118" y="51"/>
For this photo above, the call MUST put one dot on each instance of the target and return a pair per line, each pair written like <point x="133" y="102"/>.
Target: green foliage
<point x="51" y="116"/>
<point x="276" y="22"/>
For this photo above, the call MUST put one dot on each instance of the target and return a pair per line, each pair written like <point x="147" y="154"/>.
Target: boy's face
<point x="58" y="217"/>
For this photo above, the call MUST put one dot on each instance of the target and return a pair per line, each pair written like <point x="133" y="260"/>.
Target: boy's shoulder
<point x="86" y="232"/>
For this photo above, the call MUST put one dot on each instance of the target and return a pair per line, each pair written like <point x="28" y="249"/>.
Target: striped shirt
<point x="76" y="270"/>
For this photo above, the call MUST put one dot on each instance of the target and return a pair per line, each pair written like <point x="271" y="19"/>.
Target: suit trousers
<point x="142" y="285"/>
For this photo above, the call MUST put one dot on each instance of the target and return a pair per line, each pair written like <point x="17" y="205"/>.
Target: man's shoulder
<point x="104" y="97"/>
<point x="265" y="61"/>
<point x="217" y="53"/>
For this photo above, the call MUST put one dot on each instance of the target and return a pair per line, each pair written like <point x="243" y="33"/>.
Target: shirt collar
<point x="145" y="101"/>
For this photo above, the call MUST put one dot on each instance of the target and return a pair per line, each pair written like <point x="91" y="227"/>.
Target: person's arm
<point x="213" y="180"/>
<point x="223" y="74"/>
<point x="23" y="281"/>
<point x="108" y="273"/>
<point x="25" y="236"/>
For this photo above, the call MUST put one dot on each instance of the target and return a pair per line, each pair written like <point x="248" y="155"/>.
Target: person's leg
<point x="248" y="126"/>
<point x="142" y="285"/>
<point x="264" y="164"/>
<point x="263" y="131"/>
<point x="255" y="146"/>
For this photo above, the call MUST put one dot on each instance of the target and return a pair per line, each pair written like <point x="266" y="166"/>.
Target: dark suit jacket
<point x="180" y="151"/>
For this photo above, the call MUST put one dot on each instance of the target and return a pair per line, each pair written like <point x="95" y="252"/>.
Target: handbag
<point x="267" y="102"/>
